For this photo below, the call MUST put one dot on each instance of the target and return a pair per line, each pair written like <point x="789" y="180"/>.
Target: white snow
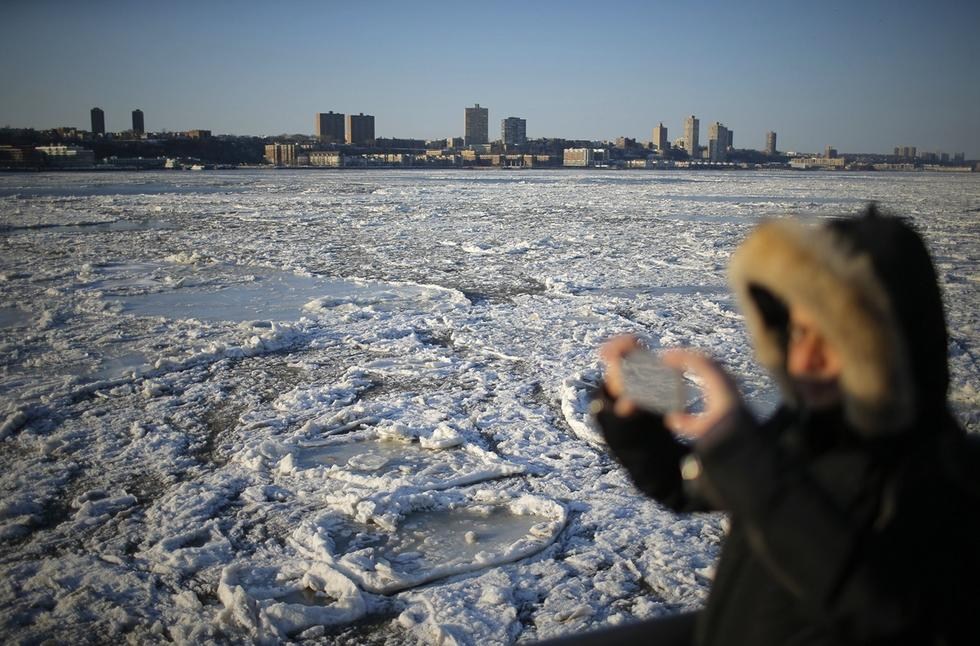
<point x="352" y="406"/>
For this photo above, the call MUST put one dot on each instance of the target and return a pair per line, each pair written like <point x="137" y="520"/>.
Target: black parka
<point x="855" y="525"/>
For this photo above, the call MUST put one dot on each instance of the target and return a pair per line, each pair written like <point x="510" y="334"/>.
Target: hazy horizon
<point x="862" y="78"/>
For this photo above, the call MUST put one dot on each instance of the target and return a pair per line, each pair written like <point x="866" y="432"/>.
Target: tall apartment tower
<point x="691" y="128"/>
<point x="138" y="128"/>
<point x="771" y="143"/>
<point x="98" y="121"/>
<point x="718" y="142"/>
<point x="476" y="126"/>
<point x="329" y="127"/>
<point x="360" y="129"/>
<point x="513" y="131"/>
<point x="660" y="141"/>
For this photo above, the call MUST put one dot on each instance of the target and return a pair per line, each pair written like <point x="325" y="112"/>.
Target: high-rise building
<point x="281" y="154"/>
<point x="905" y="152"/>
<point x="771" y="143"/>
<point x="138" y="128"/>
<point x="513" y="131"/>
<point x="476" y="126"/>
<point x="731" y="139"/>
<point x="691" y="128"/>
<point x="660" y="141"/>
<point x="717" y="142"/>
<point x="98" y="121"/>
<point x="830" y="152"/>
<point x="360" y="129"/>
<point x="329" y="127"/>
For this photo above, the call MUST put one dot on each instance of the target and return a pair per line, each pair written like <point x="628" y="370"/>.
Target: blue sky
<point x="862" y="76"/>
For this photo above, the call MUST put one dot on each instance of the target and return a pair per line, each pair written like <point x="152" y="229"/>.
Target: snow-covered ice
<point x="352" y="406"/>
<point x="433" y="536"/>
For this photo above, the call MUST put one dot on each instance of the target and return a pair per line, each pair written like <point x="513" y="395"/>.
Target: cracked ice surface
<point x="253" y="405"/>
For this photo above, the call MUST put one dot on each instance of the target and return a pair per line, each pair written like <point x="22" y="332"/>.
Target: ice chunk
<point x="575" y="395"/>
<point x="370" y="460"/>
<point x="467" y="612"/>
<point x="272" y="601"/>
<point x="191" y="550"/>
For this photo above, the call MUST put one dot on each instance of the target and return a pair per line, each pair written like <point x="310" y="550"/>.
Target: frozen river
<point x="349" y="407"/>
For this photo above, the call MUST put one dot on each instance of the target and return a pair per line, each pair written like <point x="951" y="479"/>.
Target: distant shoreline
<point x="957" y="170"/>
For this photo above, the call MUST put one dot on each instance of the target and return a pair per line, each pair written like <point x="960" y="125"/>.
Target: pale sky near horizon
<point x="861" y="76"/>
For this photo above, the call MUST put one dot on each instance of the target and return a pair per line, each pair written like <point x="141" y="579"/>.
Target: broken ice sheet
<point x="368" y="459"/>
<point x="434" y="536"/>
<point x="272" y="601"/>
<point x="237" y="293"/>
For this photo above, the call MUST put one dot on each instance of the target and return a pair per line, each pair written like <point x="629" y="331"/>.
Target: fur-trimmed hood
<point x="871" y="285"/>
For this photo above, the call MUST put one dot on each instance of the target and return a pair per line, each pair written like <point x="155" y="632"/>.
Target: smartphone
<point x="651" y="384"/>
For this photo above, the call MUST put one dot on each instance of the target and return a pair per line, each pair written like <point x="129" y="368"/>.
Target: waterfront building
<point x="98" y="121"/>
<point x="691" y="128"/>
<point x="771" y="143"/>
<point x="660" y="139"/>
<point x="198" y="134"/>
<point x="455" y="142"/>
<point x="329" y="158"/>
<point x="67" y="156"/>
<point x="830" y="152"/>
<point x="513" y="131"/>
<point x="329" y="127"/>
<point x="718" y="142"/>
<point x="360" y="129"/>
<point x="476" y="126"/>
<point x="577" y="157"/>
<point x="138" y="128"/>
<point x="819" y="163"/>
<point x="281" y="154"/>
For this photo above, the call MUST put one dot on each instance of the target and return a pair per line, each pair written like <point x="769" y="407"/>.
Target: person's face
<point x="812" y="362"/>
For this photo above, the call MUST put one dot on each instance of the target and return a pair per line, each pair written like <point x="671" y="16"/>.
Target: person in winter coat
<point x="854" y="508"/>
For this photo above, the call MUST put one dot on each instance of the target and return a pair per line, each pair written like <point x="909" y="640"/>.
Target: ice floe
<point x="433" y="536"/>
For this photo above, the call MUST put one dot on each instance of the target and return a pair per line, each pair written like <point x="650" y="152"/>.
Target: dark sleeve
<point x="833" y="560"/>
<point x="649" y="452"/>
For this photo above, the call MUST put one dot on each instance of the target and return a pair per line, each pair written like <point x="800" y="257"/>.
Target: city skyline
<point x="881" y="74"/>
<point x="337" y="127"/>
